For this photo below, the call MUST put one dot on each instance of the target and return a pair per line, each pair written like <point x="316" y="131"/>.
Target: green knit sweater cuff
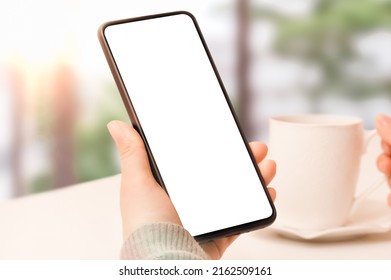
<point x="162" y="241"/>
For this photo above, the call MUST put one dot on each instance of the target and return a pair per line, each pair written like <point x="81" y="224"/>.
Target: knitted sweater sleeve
<point x="162" y="241"/>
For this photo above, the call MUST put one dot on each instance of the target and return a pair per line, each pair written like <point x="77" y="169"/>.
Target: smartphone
<point x="176" y="100"/>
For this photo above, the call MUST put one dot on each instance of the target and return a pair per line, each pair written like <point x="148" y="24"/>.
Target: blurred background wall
<point x="275" y="57"/>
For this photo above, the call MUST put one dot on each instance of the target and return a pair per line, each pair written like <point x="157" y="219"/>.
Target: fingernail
<point x="113" y="127"/>
<point x="118" y="129"/>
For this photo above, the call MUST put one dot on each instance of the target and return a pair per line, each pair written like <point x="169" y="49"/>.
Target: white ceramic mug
<point x="318" y="162"/>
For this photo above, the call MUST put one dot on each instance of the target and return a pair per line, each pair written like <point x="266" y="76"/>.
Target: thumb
<point x="134" y="159"/>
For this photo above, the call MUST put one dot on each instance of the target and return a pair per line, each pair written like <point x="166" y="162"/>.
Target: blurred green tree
<point x="94" y="154"/>
<point x="95" y="151"/>
<point x="326" y="39"/>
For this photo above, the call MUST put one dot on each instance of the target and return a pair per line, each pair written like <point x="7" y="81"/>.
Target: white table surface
<point x="83" y="222"/>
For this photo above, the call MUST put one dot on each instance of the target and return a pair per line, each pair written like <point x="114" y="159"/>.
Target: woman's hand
<point x="144" y="202"/>
<point x="383" y="125"/>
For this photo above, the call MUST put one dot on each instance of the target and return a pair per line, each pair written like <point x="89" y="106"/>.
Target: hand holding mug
<point x="383" y="125"/>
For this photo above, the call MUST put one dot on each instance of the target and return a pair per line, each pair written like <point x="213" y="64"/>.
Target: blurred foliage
<point x="95" y="151"/>
<point x="41" y="182"/>
<point x="325" y="38"/>
<point x="95" y="154"/>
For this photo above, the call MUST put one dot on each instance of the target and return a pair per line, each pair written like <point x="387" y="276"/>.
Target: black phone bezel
<point x="137" y="125"/>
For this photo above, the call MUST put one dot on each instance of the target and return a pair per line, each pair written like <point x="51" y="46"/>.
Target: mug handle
<point x="369" y="136"/>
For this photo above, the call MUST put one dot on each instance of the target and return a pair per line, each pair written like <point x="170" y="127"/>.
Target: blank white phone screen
<point x="187" y="122"/>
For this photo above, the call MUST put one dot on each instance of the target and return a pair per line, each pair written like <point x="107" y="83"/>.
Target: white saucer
<point x="372" y="217"/>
